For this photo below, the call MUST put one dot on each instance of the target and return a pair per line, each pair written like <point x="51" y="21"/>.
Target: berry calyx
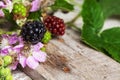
<point x="47" y="37"/>
<point x="55" y="25"/>
<point x="33" y="31"/>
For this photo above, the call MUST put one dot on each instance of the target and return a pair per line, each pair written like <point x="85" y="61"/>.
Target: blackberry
<point x="55" y="25"/>
<point x="33" y="31"/>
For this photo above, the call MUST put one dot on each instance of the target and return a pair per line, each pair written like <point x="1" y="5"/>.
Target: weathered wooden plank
<point x="70" y="59"/>
<point x="18" y="75"/>
<point x="84" y="63"/>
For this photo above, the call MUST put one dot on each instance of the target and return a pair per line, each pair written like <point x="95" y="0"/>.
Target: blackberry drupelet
<point x="33" y="31"/>
<point x="55" y="25"/>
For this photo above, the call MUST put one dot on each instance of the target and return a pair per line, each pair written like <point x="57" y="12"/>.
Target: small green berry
<point x="20" y="10"/>
<point x="43" y="49"/>
<point x="5" y="71"/>
<point x="47" y="37"/>
<point x="1" y="61"/>
<point x="7" y="60"/>
<point x="9" y="77"/>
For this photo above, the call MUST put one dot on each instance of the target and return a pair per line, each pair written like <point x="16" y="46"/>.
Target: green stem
<point x="2" y="20"/>
<point x="76" y="17"/>
<point x="71" y="25"/>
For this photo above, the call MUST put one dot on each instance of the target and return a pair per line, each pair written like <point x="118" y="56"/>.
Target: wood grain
<point x="69" y="59"/>
<point x="18" y="75"/>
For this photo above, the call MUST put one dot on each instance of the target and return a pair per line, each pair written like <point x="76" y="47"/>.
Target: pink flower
<point x="22" y="60"/>
<point x="8" y="5"/>
<point x="35" y="5"/>
<point x="31" y="62"/>
<point x="35" y="56"/>
<point x="2" y="5"/>
<point x="13" y="66"/>
<point x="8" y="42"/>
<point x="14" y="45"/>
<point x="1" y="13"/>
<point x="39" y="56"/>
<point x="37" y="46"/>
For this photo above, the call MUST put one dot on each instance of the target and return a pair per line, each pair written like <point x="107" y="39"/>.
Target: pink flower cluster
<point x="8" y="4"/>
<point x="14" y="46"/>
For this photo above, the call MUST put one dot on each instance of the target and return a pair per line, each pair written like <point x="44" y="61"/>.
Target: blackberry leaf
<point x="91" y="13"/>
<point x="62" y="4"/>
<point x="35" y="15"/>
<point x="94" y="16"/>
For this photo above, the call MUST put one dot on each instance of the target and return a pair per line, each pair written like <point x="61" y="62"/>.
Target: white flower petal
<point x="31" y="62"/>
<point x="37" y="46"/>
<point x="39" y="56"/>
<point x="22" y="60"/>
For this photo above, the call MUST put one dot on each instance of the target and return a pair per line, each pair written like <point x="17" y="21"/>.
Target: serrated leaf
<point x="111" y="35"/>
<point x="62" y="4"/>
<point x="93" y="23"/>
<point x="92" y="14"/>
<point x="109" y="40"/>
<point x="110" y="7"/>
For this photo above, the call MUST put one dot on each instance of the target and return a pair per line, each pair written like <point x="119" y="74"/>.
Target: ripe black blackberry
<point x="33" y="31"/>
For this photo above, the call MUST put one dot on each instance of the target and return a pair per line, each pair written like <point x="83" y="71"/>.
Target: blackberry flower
<point x="7" y="4"/>
<point x="10" y="44"/>
<point x="34" y="56"/>
<point x="35" y="5"/>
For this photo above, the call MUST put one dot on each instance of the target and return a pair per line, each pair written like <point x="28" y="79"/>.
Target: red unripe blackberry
<point x="55" y="25"/>
<point x="33" y="31"/>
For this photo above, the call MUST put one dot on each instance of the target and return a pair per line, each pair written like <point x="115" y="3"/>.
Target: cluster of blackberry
<point x="37" y="31"/>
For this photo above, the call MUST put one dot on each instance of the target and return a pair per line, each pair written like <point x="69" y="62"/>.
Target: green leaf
<point x="8" y="16"/>
<point x="111" y="35"/>
<point x="110" y="7"/>
<point x="35" y="15"/>
<point x="62" y="4"/>
<point x="94" y="14"/>
<point x="111" y="40"/>
<point x="93" y="21"/>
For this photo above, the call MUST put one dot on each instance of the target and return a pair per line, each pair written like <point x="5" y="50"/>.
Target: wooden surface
<point x="70" y="59"/>
<point x="18" y="75"/>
